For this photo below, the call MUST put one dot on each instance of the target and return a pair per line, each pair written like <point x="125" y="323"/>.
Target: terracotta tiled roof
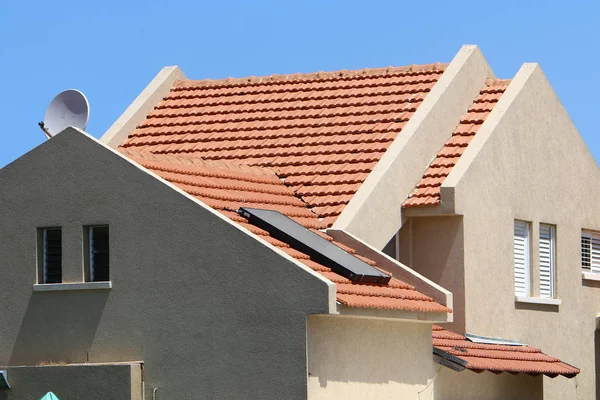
<point x="427" y="191"/>
<point x="226" y="186"/>
<point x="323" y="133"/>
<point x="499" y="358"/>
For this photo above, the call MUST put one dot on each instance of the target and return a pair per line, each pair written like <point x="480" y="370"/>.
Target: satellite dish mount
<point x="68" y="108"/>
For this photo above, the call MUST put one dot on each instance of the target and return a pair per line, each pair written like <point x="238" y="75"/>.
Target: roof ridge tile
<point x="343" y="74"/>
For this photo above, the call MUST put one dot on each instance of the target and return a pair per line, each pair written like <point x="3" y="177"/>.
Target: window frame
<point x="89" y="253"/>
<point x="551" y="259"/>
<point x="592" y="236"/>
<point x="43" y="253"/>
<point x="526" y="257"/>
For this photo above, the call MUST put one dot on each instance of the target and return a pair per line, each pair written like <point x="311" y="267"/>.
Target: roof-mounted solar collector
<point x="318" y="249"/>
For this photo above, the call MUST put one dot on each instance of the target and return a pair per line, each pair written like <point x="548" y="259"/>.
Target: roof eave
<point x="393" y="314"/>
<point x="458" y="364"/>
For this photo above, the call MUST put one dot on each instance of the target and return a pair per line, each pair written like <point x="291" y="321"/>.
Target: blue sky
<point x="111" y="49"/>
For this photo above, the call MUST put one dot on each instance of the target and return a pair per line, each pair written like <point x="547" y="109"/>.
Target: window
<point x="590" y="251"/>
<point x="98" y="253"/>
<point x="521" y="258"/>
<point x="51" y="261"/>
<point x="392" y="249"/>
<point x="547" y="260"/>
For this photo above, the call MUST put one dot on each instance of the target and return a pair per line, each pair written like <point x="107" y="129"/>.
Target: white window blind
<point x="590" y="251"/>
<point x="547" y="260"/>
<point x="521" y="256"/>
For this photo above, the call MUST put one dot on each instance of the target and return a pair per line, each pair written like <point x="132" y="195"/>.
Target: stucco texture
<point x="351" y="358"/>
<point x="75" y="382"/>
<point x="435" y="246"/>
<point x="453" y="385"/>
<point x="213" y="312"/>
<point x="528" y="162"/>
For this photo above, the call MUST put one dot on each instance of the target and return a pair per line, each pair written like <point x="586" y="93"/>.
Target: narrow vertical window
<point x="521" y="258"/>
<point x="590" y="251"/>
<point x="51" y="265"/>
<point x="99" y="255"/>
<point x="547" y="260"/>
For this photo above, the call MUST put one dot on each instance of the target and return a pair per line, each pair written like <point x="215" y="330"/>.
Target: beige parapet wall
<point x="350" y="358"/>
<point x="118" y="381"/>
<point x="374" y="213"/>
<point x="142" y="105"/>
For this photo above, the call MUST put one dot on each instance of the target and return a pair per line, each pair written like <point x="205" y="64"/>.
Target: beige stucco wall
<point x="464" y="385"/>
<point x="75" y="382"/>
<point x="358" y="358"/>
<point x="435" y="247"/>
<point x="528" y="162"/>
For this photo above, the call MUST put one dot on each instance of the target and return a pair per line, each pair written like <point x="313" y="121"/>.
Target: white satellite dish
<point x="68" y="108"/>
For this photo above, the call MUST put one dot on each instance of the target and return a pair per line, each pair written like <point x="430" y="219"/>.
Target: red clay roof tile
<point x="226" y="186"/>
<point x="499" y="358"/>
<point x="312" y="129"/>
<point x="428" y="194"/>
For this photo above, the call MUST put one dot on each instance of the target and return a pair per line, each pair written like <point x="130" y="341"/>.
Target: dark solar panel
<point x="320" y="250"/>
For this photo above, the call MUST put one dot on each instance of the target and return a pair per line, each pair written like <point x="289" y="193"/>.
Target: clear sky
<point x="111" y="49"/>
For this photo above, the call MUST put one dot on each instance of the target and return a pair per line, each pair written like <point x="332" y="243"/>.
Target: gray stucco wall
<point x="75" y="382"/>
<point x="212" y="312"/>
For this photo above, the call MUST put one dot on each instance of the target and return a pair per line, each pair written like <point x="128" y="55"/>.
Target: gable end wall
<point x="211" y="311"/>
<point x="529" y="162"/>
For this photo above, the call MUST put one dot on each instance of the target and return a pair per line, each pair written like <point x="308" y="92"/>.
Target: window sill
<point x="538" y="300"/>
<point x="590" y="276"/>
<point x="57" y="287"/>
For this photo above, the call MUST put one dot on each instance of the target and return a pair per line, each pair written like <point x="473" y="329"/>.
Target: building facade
<point x="131" y="259"/>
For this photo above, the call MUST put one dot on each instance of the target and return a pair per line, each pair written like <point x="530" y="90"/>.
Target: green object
<point x="50" y="396"/>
